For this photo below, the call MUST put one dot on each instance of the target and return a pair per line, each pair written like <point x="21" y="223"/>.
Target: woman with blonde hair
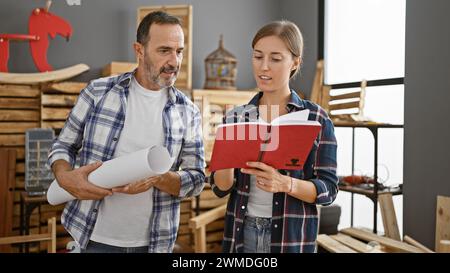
<point x="273" y="210"/>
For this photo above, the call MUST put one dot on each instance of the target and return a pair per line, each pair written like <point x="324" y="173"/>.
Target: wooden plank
<point x="27" y="91"/>
<point x="316" y="92"/>
<point x="351" y="95"/>
<point x="17" y="127"/>
<point x="200" y="240"/>
<point x="67" y="87"/>
<point x="388" y="215"/>
<point x="413" y="242"/>
<point x="214" y="247"/>
<point x="55" y="113"/>
<point x="442" y="220"/>
<point x="184" y="82"/>
<point x="208" y="194"/>
<point x="19" y="103"/>
<point x="391" y="243"/>
<point x="185" y="206"/>
<point x="216" y="225"/>
<point x="212" y="203"/>
<point x="50" y="76"/>
<point x="207" y="217"/>
<point x="20" y="168"/>
<point x="19" y="115"/>
<point x="186" y="239"/>
<point x="355" y="244"/>
<point x="12" y="140"/>
<point x="332" y="245"/>
<point x="53" y="124"/>
<point x="61" y="242"/>
<point x="58" y="100"/>
<point x="347" y="105"/>
<point x="7" y="181"/>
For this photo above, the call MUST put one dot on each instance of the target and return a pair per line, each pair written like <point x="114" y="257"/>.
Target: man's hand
<point x="268" y="178"/>
<point x="76" y="182"/>
<point x="138" y="186"/>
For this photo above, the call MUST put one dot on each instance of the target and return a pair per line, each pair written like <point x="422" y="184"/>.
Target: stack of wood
<point x="24" y="107"/>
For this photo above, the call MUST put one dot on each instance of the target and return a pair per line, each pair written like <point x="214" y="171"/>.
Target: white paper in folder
<point x="120" y="171"/>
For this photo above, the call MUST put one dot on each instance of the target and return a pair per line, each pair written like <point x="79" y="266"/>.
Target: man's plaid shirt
<point x="92" y="131"/>
<point x="294" y="222"/>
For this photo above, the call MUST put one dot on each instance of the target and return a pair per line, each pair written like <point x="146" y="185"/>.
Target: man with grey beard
<point x="122" y="114"/>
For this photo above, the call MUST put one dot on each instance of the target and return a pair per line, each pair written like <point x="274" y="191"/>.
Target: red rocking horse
<point x="41" y="24"/>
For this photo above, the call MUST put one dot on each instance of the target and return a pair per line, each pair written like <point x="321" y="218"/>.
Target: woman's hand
<point x="138" y="186"/>
<point x="268" y="178"/>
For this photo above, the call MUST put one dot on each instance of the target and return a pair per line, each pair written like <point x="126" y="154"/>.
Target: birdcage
<point x="221" y="69"/>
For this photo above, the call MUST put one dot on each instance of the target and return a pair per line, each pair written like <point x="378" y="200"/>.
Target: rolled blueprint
<point x="120" y="171"/>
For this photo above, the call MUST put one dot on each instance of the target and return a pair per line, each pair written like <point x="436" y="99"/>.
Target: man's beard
<point x="154" y="75"/>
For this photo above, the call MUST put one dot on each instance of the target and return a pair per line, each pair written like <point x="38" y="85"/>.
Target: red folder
<point x="284" y="145"/>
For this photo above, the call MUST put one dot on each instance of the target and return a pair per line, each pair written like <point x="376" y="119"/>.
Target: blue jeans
<point x="94" y="247"/>
<point x="257" y="233"/>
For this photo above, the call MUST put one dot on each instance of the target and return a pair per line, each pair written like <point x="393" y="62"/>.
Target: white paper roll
<point x="120" y="171"/>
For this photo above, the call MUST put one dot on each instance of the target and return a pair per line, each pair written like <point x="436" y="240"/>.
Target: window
<point x="365" y="40"/>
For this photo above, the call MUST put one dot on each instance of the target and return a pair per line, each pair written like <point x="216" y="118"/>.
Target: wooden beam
<point x="413" y="242"/>
<point x="442" y="220"/>
<point x="50" y="76"/>
<point x="19" y="115"/>
<point x="355" y="244"/>
<point x="388" y="242"/>
<point x="388" y="215"/>
<point x="332" y="245"/>
<point x="17" y="127"/>
<point x="12" y="140"/>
